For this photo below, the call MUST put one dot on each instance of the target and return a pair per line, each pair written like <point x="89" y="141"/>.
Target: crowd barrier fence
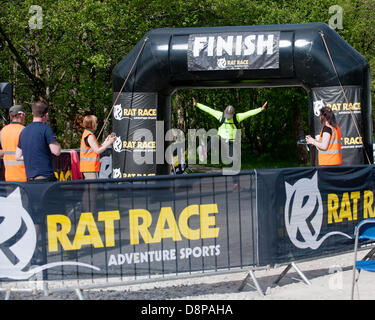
<point x="78" y="235"/>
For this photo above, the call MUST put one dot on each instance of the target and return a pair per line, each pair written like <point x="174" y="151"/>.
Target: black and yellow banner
<point x="311" y="212"/>
<point x="182" y="223"/>
<point x="131" y="228"/>
<point x="347" y="108"/>
<point x="134" y="121"/>
<point x="233" y="51"/>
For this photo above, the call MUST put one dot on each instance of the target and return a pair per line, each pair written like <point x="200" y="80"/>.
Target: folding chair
<point x="364" y="230"/>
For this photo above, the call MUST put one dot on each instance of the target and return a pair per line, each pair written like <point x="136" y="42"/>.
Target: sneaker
<point x="202" y="154"/>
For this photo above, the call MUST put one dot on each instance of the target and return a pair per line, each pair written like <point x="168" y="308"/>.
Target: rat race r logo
<point x="18" y="240"/>
<point x="304" y="214"/>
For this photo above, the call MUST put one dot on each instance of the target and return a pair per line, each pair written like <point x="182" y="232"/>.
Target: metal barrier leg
<point x="369" y="254"/>
<point x="298" y="270"/>
<point x="7" y="295"/>
<point x="282" y="275"/>
<point x="9" y="291"/>
<point x="245" y="282"/>
<point x="78" y="291"/>
<point x="301" y="274"/>
<point x="45" y="289"/>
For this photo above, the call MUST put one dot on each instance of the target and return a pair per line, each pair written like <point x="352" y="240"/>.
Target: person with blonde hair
<point x="90" y="148"/>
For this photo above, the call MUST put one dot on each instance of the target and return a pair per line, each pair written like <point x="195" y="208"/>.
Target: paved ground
<point x="330" y="279"/>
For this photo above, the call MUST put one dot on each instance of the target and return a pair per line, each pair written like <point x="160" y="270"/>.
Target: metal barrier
<point x="116" y="232"/>
<point x="143" y="229"/>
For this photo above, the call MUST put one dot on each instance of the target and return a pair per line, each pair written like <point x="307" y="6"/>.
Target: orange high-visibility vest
<point x="14" y="170"/>
<point x="89" y="160"/>
<point x="333" y="155"/>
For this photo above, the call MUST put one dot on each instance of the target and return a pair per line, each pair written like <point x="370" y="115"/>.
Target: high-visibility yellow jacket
<point x="89" y="160"/>
<point x="14" y="170"/>
<point x="227" y="130"/>
<point x="333" y="155"/>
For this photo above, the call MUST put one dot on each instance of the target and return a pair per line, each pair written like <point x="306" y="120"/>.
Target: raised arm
<point x="244" y="115"/>
<point x="216" y="114"/>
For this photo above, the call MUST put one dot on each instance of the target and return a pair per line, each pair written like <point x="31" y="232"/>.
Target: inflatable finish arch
<point x="237" y="57"/>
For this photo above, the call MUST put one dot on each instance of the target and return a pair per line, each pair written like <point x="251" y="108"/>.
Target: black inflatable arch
<point x="238" y="57"/>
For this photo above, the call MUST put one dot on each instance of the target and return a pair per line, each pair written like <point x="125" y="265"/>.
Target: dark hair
<point x="328" y="114"/>
<point x="39" y="109"/>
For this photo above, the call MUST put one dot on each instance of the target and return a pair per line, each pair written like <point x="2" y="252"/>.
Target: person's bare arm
<point x="19" y="155"/>
<point x="99" y="149"/>
<point x="323" y="145"/>
<point x="55" y="148"/>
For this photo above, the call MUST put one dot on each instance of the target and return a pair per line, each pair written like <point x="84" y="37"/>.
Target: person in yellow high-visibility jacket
<point x="330" y="140"/>
<point x="229" y="122"/>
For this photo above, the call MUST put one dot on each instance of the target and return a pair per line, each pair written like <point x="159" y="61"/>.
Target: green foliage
<point x="69" y="61"/>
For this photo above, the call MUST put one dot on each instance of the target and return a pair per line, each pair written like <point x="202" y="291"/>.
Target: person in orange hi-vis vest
<point x="9" y="135"/>
<point x="89" y="162"/>
<point x="330" y="140"/>
<point x="90" y="149"/>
